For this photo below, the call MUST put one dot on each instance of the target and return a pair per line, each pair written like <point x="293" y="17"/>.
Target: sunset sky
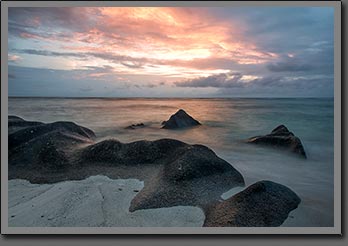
<point x="171" y="52"/>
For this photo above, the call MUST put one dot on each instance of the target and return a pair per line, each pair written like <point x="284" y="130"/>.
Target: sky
<point x="171" y="52"/>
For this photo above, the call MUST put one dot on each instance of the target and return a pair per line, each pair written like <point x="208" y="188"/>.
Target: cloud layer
<point x="180" y="48"/>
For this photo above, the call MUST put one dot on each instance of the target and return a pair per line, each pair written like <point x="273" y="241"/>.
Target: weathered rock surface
<point x="135" y="126"/>
<point x="16" y="123"/>
<point x="32" y="132"/>
<point x="262" y="204"/>
<point x="180" y="120"/>
<point x="39" y="149"/>
<point x="183" y="174"/>
<point x="175" y="173"/>
<point x="191" y="175"/>
<point x="281" y="137"/>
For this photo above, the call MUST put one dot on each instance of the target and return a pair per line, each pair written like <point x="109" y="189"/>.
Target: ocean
<point x="226" y="123"/>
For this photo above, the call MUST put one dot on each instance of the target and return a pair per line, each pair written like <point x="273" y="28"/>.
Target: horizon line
<point x="146" y="97"/>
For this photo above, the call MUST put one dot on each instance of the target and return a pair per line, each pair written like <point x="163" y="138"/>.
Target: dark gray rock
<point x="44" y="147"/>
<point x="143" y="152"/>
<point x="180" y="120"/>
<point x="16" y="123"/>
<point x="46" y="151"/>
<point x="281" y="137"/>
<point x="13" y="118"/>
<point x="182" y="174"/>
<point x="24" y="135"/>
<point x="175" y="173"/>
<point x="190" y="175"/>
<point x="135" y="126"/>
<point x="262" y="204"/>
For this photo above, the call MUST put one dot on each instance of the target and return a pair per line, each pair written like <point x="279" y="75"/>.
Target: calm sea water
<point x="225" y="124"/>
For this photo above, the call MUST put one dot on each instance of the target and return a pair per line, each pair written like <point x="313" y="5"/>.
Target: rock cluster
<point x="174" y="173"/>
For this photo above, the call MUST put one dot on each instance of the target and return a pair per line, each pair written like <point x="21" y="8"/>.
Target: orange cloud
<point x="14" y="58"/>
<point x="172" y="39"/>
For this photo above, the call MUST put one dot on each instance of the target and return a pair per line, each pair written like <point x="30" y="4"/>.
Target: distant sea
<point x="225" y="124"/>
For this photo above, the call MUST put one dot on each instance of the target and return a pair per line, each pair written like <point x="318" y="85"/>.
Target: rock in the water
<point x="44" y="147"/>
<point x="135" y="126"/>
<point x="13" y="118"/>
<point x="190" y="175"/>
<point x="16" y="123"/>
<point x="281" y="137"/>
<point x="182" y="174"/>
<point x="180" y="120"/>
<point x="263" y="204"/>
<point x="175" y="173"/>
<point x="29" y="133"/>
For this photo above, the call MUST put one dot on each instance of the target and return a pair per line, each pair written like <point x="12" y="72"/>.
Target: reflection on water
<point x="225" y="124"/>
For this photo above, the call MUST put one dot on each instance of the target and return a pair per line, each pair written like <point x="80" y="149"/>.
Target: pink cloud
<point x="14" y="58"/>
<point x="176" y="37"/>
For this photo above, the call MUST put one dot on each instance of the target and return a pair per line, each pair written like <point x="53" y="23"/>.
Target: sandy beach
<point x="94" y="202"/>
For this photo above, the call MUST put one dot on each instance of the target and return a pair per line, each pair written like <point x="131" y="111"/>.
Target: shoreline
<point x="106" y="203"/>
<point x="113" y="199"/>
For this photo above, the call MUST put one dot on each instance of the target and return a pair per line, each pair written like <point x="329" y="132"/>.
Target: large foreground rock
<point x="182" y="174"/>
<point x="175" y="173"/>
<point x="38" y="148"/>
<point x="281" y="137"/>
<point x="36" y="131"/>
<point x="16" y="123"/>
<point x="262" y="204"/>
<point x="191" y="175"/>
<point x="180" y="120"/>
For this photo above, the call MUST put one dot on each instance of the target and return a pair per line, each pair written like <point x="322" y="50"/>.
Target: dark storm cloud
<point x="273" y="86"/>
<point x="132" y="65"/>
<point x="49" y="53"/>
<point x="68" y="18"/>
<point x="229" y="80"/>
<point x="219" y="80"/>
<point x="306" y="32"/>
<point x="126" y="61"/>
<point x="289" y="65"/>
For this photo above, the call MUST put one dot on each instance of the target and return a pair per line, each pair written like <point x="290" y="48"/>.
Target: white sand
<point x="95" y="201"/>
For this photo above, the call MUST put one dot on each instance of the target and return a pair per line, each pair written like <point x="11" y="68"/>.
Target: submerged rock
<point x="135" y="126"/>
<point x="281" y="137"/>
<point x="180" y="120"/>
<point x="262" y="204"/>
